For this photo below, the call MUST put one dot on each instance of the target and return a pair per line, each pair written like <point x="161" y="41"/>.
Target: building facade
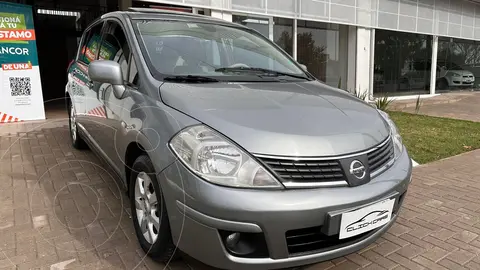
<point x="376" y="47"/>
<point x="379" y="47"/>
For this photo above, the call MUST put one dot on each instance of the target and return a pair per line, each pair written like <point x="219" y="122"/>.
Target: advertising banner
<point x="20" y="86"/>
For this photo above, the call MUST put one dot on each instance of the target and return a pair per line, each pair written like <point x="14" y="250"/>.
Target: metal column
<point x="270" y="28"/>
<point x="371" y="65"/>
<point x="433" y="71"/>
<point x="294" y="47"/>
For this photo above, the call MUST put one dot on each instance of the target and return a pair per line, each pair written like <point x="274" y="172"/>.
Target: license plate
<point x="366" y="219"/>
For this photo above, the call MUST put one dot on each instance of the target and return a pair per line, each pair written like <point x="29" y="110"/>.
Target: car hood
<point x="461" y="72"/>
<point x="282" y="119"/>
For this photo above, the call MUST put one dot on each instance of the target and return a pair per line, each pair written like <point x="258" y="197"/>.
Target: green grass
<point x="430" y="138"/>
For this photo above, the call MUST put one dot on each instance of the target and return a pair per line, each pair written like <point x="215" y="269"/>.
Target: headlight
<point x="397" y="139"/>
<point x="456" y="75"/>
<point x="218" y="161"/>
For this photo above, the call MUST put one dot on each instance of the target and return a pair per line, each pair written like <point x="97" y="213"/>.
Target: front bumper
<point x="461" y="81"/>
<point x="198" y="210"/>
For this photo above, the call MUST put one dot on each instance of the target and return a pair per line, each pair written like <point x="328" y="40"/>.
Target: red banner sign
<point x="17" y="35"/>
<point x="17" y="66"/>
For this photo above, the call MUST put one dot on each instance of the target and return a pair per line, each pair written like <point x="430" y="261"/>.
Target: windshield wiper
<point x="261" y="70"/>
<point x="190" y="78"/>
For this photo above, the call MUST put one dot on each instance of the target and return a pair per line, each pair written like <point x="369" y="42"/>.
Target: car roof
<point x="159" y="14"/>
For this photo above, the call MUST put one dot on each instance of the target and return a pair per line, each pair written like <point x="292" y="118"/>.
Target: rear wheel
<point x="149" y="212"/>
<point x="442" y="84"/>
<point x="77" y="140"/>
<point x="404" y="84"/>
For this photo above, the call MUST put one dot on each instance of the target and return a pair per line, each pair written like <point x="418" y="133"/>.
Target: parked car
<point x="448" y="75"/>
<point x="229" y="150"/>
<point x="452" y="75"/>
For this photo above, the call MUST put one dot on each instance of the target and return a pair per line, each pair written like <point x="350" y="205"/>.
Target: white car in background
<point x="455" y="76"/>
<point x="448" y="76"/>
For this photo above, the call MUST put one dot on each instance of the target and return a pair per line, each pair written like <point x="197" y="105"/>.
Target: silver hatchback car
<point x="229" y="149"/>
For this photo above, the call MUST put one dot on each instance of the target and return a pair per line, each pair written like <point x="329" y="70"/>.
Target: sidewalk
<point x="461" y="105"/>
<point x="60" y="206"/>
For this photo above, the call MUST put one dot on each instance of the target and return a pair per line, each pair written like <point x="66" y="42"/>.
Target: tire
<point x="161" y="247"/>
<point x="404" y="82"/>
<point x="442" y="84"/>
<point x="77" y="141"/>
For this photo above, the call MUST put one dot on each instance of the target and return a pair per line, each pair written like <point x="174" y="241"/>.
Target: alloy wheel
<point x="147" y="207"/>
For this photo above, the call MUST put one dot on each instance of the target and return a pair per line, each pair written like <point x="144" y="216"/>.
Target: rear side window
<point x="90" y="44"/>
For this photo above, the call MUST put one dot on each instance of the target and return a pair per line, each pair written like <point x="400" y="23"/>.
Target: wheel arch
<point x="134" y="150"/>
<point x="67" y="98"/>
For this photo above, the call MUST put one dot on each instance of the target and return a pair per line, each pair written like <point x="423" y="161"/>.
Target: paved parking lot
<point x="60" y="208"/>
<point x="459" y="105"/>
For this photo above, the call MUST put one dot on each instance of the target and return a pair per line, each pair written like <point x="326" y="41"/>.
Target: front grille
<point x="380" y="156"/>
<point x="311" y="240"/>
<point x="325" y="172"/>
<point x="290" y="170"/>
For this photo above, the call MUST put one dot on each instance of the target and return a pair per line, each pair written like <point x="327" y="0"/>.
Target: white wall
<point x="352" y="58"/>
<point x="454" y="18"/>
<point x="363" y="63"/>
<point x="224" y="15"/>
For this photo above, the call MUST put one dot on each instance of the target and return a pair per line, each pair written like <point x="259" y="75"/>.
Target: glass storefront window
<point x="259" y="24"/>
<point x="402" y="63"/>
<point x="458" y="64"/>
<point x="322" y="47"/>
<point x="283" y="34"/>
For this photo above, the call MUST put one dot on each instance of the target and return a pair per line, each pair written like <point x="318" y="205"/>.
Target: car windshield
<point x="454" y="67"/>
<point x="449" y="66"/>
<point x="179" y="49"/>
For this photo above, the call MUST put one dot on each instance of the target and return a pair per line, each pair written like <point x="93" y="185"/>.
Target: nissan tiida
<point x="230" y="150"/>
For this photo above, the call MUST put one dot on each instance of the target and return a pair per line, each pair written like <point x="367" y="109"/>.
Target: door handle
<point x="127" y="127"/>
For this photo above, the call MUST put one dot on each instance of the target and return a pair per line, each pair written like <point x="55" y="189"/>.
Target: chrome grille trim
<point x="384" y="151"/>
<point x="326" y="157"/>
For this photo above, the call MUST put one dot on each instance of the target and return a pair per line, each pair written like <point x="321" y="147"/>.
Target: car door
<point x="109" y="126"/>
<point x="79" y="83"/>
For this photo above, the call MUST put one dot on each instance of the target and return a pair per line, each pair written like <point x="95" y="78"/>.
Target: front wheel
<point x="442" y="84"/>
<point x="149" y="212"/>
<point x="77" y="141"/>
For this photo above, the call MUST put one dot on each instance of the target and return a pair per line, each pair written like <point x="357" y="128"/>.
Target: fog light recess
<point x="247" y="245"/>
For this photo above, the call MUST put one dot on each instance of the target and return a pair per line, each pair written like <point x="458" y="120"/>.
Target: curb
<point x="413" y="104"/>
<point x="414" y="163"/>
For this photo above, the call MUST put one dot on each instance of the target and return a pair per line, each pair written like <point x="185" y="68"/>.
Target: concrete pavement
<point x="61" y="208"/>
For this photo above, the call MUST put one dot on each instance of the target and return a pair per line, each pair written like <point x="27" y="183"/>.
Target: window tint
<point x="182" y="48"/>
<point x="90" y="43"/>
<point x="115" y="47"/>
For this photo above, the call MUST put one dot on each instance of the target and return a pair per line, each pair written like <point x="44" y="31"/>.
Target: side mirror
<point x="107" y="71"/>
<point x="303" y="67"/>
